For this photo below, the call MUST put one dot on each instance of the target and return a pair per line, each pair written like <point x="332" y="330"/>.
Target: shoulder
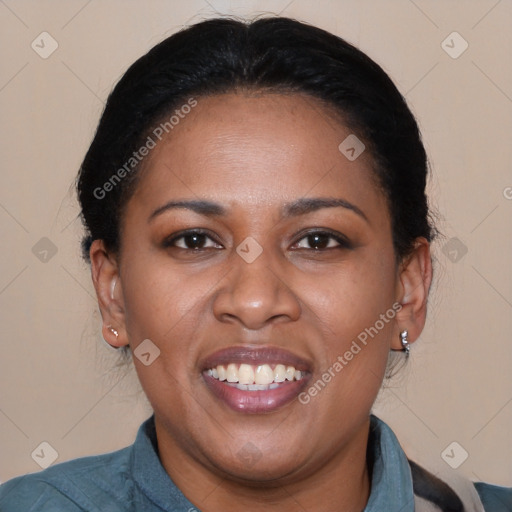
<point x="495" y="498"/>
<point x="87" y="483"/>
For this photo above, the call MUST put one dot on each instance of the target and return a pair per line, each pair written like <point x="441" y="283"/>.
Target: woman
<point x="258" y="233"/>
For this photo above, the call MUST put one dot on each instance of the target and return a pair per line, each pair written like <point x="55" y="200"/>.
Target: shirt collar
<point x="150" y="475"/>
<point x="391" y="482"/>
<point x="391" y="485"/>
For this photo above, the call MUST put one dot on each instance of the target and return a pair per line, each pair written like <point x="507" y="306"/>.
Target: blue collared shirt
<point x="133" y="479"/>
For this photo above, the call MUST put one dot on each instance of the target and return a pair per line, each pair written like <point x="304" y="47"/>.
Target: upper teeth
<point x="261" y="374"/>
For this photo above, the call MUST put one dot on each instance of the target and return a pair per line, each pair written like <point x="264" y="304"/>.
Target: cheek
<point x="354" y="308"/>
<point x="163" y="305"/>
<point x="168" y="305"/>
<point x="356" y="314"/>
<point x="354" y="297"/>
<point x="158" y="296"/>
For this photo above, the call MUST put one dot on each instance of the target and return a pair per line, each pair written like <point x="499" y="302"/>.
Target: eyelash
<point x="343" y="243"/>
<point x="171" y="241"/>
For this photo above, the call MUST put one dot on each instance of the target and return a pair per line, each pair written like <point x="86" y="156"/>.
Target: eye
<point x="192" y="240"/>
<point x="321" y="240"/>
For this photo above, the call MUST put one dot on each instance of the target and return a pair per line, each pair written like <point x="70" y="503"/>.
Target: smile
<point x="255" y="381"/>
<point x="254" y="378"/>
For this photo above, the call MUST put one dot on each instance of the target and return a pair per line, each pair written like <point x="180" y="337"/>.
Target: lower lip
<point x="255" y="401"/>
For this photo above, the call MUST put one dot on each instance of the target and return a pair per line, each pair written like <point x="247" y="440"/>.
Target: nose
<point x="255" y="295"/>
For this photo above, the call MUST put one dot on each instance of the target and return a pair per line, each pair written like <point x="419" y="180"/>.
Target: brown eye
<point x="321" y="240"/>
<point x="193" y="240"/>
<point x="318" y="241"/>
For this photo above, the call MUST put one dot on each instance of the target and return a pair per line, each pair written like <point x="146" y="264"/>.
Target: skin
<point x="252" y="154"/>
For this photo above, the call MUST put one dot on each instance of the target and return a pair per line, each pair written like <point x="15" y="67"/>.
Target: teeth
<point x="280" y="373"/>
<point x="221" y="371"/>
<point x="232" y="373"/>
<point x="263" y="375"/>
<point x="255" y="387"/>
<point x="246" y="374"/>
<point x="255" y="378"/>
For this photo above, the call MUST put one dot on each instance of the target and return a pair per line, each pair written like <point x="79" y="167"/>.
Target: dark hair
<point x="270" y="54"/>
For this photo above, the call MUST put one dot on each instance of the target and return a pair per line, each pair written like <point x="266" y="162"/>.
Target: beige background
<point x="59" y="382"/>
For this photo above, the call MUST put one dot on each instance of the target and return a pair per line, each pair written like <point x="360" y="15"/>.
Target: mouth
<point x="255" y="380"/>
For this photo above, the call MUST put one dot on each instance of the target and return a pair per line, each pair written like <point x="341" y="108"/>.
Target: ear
<point x="415" y="276"/>
<point x="109" y="290"/>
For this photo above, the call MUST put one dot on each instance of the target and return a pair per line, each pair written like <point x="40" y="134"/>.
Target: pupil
<point x="194" y="241"/>
<point x="318" y="241"/>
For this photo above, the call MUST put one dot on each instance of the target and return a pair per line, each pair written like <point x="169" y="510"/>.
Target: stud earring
<point x="115" y="333"/>
<point x="112" y="330"/>
<point x="405" y="343"/>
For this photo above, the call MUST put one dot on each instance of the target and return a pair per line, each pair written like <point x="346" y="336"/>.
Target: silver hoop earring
<point x="405" y="343"/>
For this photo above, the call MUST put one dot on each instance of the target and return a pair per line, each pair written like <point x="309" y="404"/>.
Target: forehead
<point x="255" y="149"/>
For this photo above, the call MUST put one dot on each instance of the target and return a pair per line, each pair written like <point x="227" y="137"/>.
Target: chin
<point x="252" y="467"/>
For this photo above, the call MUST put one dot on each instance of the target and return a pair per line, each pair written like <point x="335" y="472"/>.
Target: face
<point x="258" y="259"/>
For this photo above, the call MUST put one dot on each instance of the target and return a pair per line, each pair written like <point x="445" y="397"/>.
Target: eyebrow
<point x="207" y="208"/>
<point x="306" y="205"/>
<point x="301" y="206"/>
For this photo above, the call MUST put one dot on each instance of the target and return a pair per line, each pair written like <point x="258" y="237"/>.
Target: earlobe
<point x="106" y="280"/>
<point x="111" y="336"/>
<point x="415" y="277"/>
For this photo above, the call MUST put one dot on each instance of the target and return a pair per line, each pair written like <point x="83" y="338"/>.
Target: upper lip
<point x="255" y="355"/>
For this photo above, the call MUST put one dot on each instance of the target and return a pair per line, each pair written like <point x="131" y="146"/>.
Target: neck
<point x="341" y="482"/>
